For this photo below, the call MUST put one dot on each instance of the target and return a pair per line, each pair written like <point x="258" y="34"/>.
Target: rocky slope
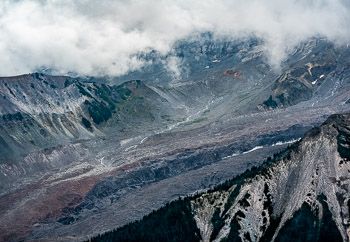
<point x="301" y="192"/>
<point x="238" y="73"/>
<point x="80" y="157"/>
<point x="44" y="119"/>
<point x="309" y="179"/>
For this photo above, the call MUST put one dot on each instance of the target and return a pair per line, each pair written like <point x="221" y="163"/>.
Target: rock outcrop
<point x="312" y="175"/>
<point x="302" y="192"/>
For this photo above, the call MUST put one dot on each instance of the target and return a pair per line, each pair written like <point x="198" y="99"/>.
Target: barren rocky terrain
<point x="80" y="156"/>
<point x="301" y="192"/>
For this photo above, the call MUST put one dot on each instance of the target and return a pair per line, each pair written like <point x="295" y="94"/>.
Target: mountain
<point x="300" y="193"/>
<point x="42" y="113"/>
<point x="81" y="156"/>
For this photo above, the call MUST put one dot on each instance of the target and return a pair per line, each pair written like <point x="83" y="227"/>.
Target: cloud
<point x="173" y="65"/>
<point x="105" y="37"/>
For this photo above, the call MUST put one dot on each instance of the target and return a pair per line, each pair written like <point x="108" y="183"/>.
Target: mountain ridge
<point x="115" y="144"/>
<point x="262" y="204"/>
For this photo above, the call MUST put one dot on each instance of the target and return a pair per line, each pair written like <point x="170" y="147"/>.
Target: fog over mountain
<point x="106" y="37"/>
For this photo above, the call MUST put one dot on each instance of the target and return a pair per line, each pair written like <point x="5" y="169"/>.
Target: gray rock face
<point x="311" y="168"/>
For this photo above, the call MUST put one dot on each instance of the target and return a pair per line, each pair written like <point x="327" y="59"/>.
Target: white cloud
<point x="104" y="37"/>
<point x="173" y="65"/>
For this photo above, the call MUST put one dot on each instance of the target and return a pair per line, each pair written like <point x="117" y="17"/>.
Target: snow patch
<point x="287" y="142"/>
<point x="255" y="148"/>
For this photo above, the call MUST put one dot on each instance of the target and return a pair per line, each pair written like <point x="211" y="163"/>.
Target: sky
<point x="104" y="37"/>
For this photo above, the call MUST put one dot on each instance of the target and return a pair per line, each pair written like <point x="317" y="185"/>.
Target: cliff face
<point x="302" y="192"/>
<point x="312" y="175"/>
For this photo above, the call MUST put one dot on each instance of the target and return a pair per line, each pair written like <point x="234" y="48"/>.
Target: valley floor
<point x="122" y="185"/>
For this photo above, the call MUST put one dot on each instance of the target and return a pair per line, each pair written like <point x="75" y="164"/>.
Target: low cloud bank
<point x="104" y="37"/>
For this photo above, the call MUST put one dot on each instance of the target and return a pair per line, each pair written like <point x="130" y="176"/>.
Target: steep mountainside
<point x="79" y="157"/>
<point x="236" y="74"/>
<point x="39" y="112"/>
<point x="302" y="192"/>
